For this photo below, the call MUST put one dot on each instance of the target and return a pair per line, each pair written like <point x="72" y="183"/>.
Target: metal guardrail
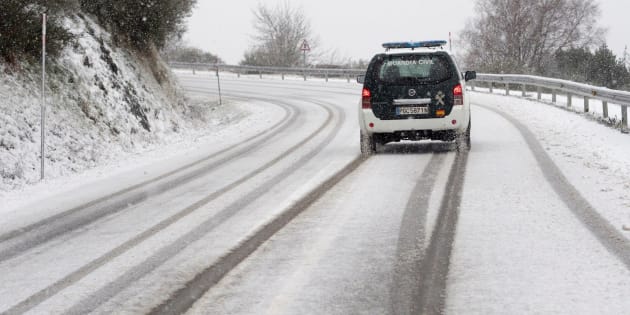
<point x="348" y="74"/>
<point x="621" y="98"/>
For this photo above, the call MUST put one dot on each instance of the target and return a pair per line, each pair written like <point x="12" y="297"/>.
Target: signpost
<point x="219" y="84"/>
<point x="43" y="109"/>
<point x="305" y="48"/>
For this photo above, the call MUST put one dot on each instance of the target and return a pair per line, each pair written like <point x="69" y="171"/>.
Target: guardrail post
<point x="624" y="117"/>
<point x="539" y="90"/>
<point x="524" y="90"/>
<point x="507" y="89"/>
<point x="193" y="70"/>
<point x="348" y="77"/>
<point x="569" y="100"/>
<point x="260" y="74"/>
<point x="282" y="76"/>
<point x="605" y="109"/>
<point x="553" y="96"/>
<point x="326" y="76"/>
<point x="491" y="87"/>
<point x="472" y="85"/>
<point x="586" y="104"/>
<point x="304" y="75"/>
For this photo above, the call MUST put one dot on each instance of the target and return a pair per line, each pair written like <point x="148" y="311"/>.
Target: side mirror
<point x="361" y="79"/>
<point x="470" y="75"/>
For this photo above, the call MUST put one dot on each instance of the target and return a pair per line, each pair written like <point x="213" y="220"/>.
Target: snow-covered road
<point x="280" y="216"/>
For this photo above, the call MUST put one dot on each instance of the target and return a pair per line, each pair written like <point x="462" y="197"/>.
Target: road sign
<point x="305" y="46"/>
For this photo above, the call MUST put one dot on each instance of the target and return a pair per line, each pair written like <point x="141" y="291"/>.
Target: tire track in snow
<point x="434" y="266"/>
<point x="101" y="296"/>
<point x="605" y="232"/>
<point x="349" y="90"/>
<point x="412" y="238"/>
<point x="79" y="274"/>
<point x="182" y="300"/>
<point x="15" y="242"/>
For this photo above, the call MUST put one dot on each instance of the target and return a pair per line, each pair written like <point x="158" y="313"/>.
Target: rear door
<point x="414" y="86"/>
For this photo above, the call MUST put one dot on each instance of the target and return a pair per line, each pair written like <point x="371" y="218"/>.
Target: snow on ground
<point x="268" y="77"/>
<point x="103" y="103"/>
<point x="519" y="249"/>
<point x="494" y="264"/>
<point x="342" y="255"/>
<point x="596" y="108"/>
<point x="230" y="123"/>
<point x="594" y="157"/>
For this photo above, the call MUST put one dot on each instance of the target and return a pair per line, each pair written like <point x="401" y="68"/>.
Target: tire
<point x="463" y="140"/>
<point x="379" y="143"/>
<point x="368" y="146"/>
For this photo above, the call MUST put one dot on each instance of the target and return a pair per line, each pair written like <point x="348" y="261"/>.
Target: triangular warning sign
<point x="305" y="46"/>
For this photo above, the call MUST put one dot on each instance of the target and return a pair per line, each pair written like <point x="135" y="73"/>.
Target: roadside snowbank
<point x="103" y="103"/>
<point x="592" y="156"/>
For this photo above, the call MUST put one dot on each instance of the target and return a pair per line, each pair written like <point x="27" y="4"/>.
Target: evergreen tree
<point x="573" y="64"/>
<point x="21" y="29"/>
<point x="142" y="22"/>
<point x="606" y="70"/>
<point x="190" y="55"/>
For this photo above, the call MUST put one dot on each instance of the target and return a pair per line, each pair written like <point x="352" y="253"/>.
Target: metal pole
<point x="304" y="64"/>
<point x="586" y="104"/>
<point x="624" y="117"/>
<point x="43" y="109"/>
<point x="219" y="84"/>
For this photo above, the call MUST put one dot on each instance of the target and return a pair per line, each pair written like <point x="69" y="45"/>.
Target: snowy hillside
<point x="103" y="103"/>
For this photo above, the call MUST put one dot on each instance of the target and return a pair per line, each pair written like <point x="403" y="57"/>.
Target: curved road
<point x="291" y="221"/>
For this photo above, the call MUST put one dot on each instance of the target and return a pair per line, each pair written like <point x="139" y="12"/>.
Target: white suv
<point x="414" y="91"/>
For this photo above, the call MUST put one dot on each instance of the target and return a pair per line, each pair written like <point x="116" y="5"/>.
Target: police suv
<point x="414" y="91"/>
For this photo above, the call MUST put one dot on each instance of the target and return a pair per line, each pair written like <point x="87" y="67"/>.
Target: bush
<point x="21" y="29"/>
<point x="142" y="22"/>
<point x="190" y="55"/>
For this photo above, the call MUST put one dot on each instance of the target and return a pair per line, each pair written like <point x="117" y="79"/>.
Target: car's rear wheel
<point x="368" y="146"/>
<point x="463" y="140"/>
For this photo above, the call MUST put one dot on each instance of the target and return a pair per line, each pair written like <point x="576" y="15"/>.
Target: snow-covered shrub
<point x="21" y="29"/>
<point x="143" y="22"/>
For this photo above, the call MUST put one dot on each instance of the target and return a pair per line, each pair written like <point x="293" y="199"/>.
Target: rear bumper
<point x="457" y="121"/>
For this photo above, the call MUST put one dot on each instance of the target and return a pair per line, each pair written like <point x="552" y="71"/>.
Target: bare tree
<point x="279" y="34"/>
<point x="521" y="36"/>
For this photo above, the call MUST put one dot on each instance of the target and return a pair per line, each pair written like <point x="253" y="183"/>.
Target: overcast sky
<point x="356" y="28"/>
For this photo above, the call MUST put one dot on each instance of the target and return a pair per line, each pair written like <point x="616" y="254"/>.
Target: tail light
<point x="458" y="95"/>
<point x="366" y="99"/>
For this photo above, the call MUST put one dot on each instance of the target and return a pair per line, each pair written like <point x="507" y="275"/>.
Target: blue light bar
<point x="413" y="45"/>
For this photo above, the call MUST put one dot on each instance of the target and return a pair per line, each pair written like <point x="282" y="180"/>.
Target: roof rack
<point x="414" y="45"/>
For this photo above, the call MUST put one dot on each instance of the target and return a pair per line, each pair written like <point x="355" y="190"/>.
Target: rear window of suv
<point x="413" y="69"/>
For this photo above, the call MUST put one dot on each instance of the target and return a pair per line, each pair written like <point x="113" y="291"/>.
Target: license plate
<point x="423" y="110"/>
